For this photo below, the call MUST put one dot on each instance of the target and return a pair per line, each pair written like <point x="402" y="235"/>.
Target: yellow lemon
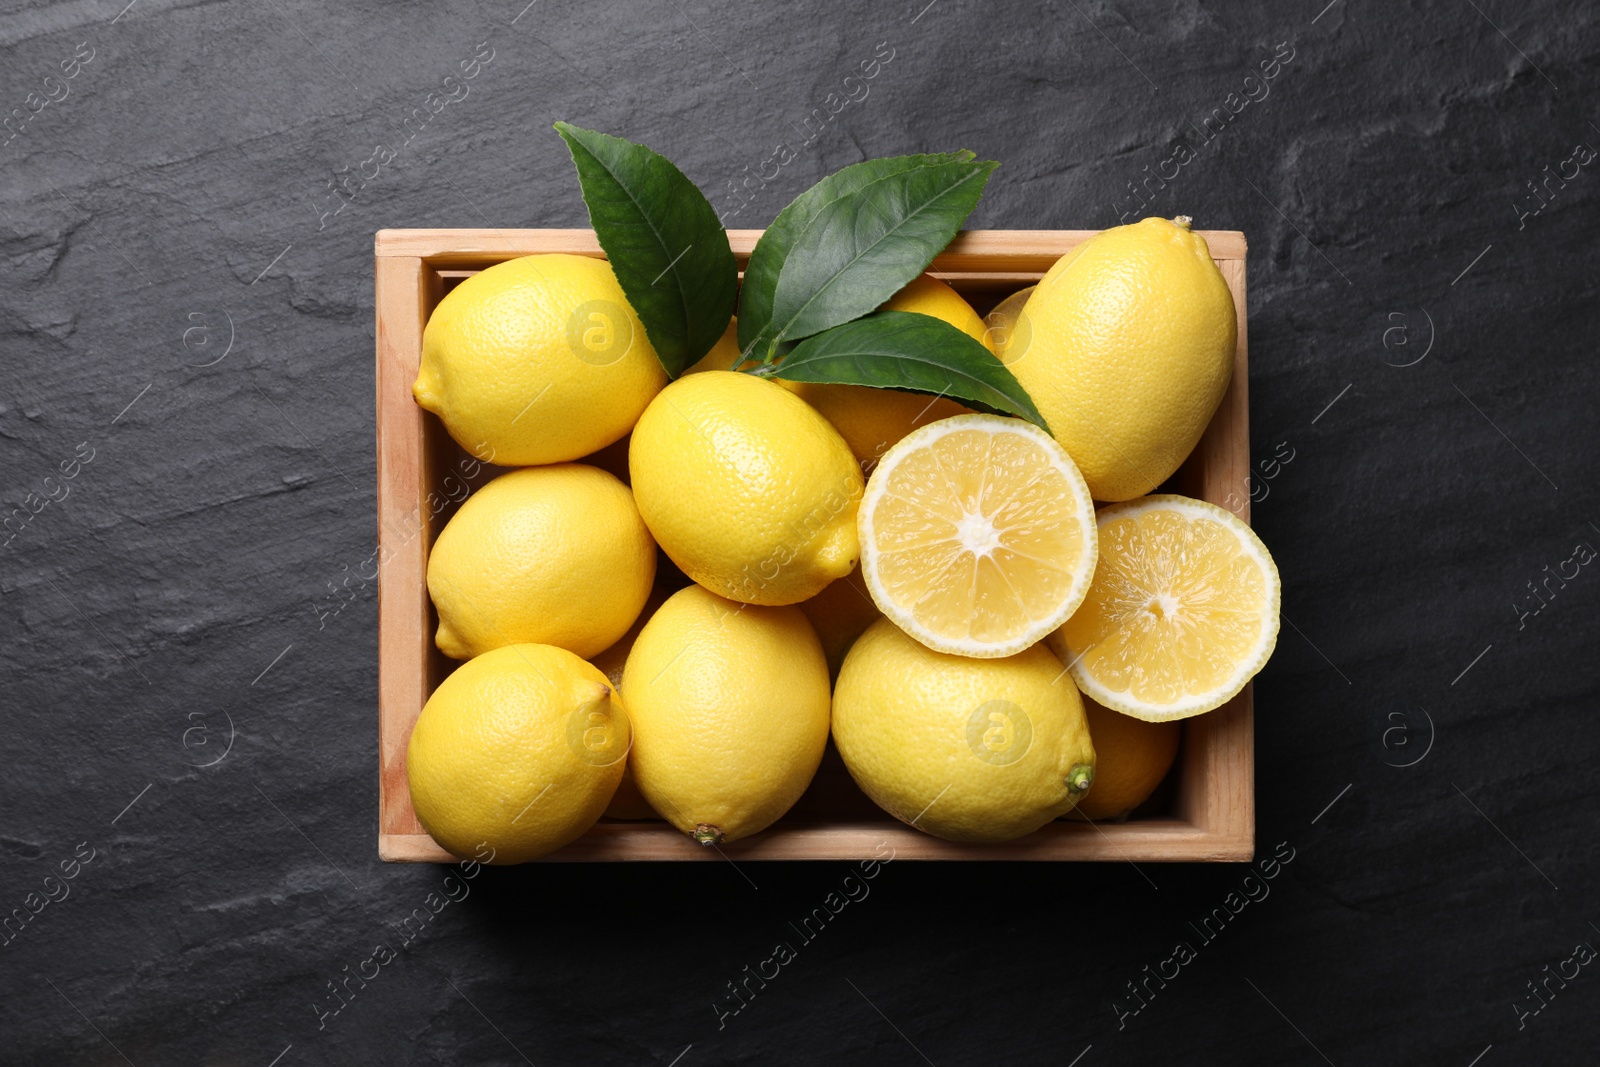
<point x="1131" y="758"/>
<point x="1129" y="348"/>
<point x="613" y="459"/>
<point x="977" y="535"/>
<point x="537" y="360"/>
<point x="1182" y="613"/>
<point x="729" y="704"/>
<point x="839" y="614"/>
<point x="746" y="488"/>
<point x="516" y="753"/>
<point x="964" y="749"/>
<point x="927" y="295"/>
<point x="553" y="555"/>
<point x="628" y="802"/>
<point x="1008" y="332"/>
<point x="872" y="420"/>
<point x="615" y="657"/>
<point x="723" y="354"/>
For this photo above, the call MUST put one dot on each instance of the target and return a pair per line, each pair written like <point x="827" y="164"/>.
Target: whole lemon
<point x="872" y="420"/>
<point x="613" y="459"/>
<point x="517" y="752"/>
<point x="839" y="614"/>
<point x="1129" y="348"/>
<point x="729" y="704"/>
<point x="537" y="360"/>
<point x="961" y="748"/>
<point x="927" y="295"/>
<point x="1132" y="757"/>
<point x="627" y="802"/>
<point x="723" y="354"/>
<point x="1007" y="329"/>
<point x="553" y="555"/>
<point x="746" y="488"/>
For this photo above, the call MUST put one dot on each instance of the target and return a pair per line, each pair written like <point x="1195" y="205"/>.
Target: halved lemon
<point x="1182" y="613"/>
<point x="977" y="535"/>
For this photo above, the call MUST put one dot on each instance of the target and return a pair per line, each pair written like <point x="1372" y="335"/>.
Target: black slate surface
<point x="187" y="328"/>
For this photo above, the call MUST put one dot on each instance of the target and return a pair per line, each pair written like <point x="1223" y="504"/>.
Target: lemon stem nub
<point x="1080" y="778"/>
<point x="1182" y="222"/>
<point x="707" y="835"/>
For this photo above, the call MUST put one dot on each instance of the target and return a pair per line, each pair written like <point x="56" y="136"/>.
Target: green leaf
<point x="761" y="273"/>
<point x="664" y="242"/>
<point x="864" y="247"/>
<point x="918" y="353"/>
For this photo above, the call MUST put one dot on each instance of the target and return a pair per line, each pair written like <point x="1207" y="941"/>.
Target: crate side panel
<point x="403" y="298"/>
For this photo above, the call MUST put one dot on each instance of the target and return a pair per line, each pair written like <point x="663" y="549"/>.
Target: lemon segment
<point x="978" y="535"/>
<point x="1182" y="613"/>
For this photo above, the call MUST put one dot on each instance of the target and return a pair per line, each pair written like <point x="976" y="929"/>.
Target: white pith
<point x="978" y="534"/>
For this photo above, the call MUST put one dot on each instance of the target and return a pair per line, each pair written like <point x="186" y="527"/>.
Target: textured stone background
<point x="175" y="196"/>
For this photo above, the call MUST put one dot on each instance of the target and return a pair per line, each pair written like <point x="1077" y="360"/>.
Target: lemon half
<point x="977" y="535"/>
<point x="1183" y="610"/>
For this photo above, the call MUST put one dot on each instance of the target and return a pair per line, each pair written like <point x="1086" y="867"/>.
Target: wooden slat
<point x="1214" y="807"/>
<point x="403" y="300"/>
<point x="1144" y="840"/>
<point x="973" y="250"/>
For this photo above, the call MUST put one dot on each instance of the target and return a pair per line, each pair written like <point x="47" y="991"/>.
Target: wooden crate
<point x="1211" y="808"/>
